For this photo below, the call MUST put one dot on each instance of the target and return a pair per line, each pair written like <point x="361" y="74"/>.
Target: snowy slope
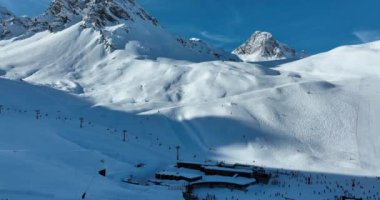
<point x="315" y="114"/>
<point x="356" y="70"/>
<point x="261" y="110"/>
<point x="52" y="158"/>
<point x="119" y="24"/>
<point x="262" y="46"/>
<point x="334" y="111"/>
<point x="353" y="61"/>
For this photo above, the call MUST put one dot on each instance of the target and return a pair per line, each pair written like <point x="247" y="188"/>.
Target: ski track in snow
<point x="367" y="122"/>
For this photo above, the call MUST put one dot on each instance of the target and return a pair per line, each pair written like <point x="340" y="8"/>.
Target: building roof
<point x="225" y="179"/>
<point x="188" y="175"/>
<point x="216" y="168"/>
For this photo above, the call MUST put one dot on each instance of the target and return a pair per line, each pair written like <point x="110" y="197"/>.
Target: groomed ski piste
<point x="53" y="158"/>
<point x="312" y="123"/>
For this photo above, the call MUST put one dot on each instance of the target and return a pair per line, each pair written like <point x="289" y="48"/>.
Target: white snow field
<point x="299" y="118"/>
<point x="235" y="112"/>
<point x="318" y="114"/>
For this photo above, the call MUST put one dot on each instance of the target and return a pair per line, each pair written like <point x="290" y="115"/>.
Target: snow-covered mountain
<point x="118" y="23"/>
<point x="11" y="25"/>
<point x="262" y="46"/>
<point x="4" y="13"/>
<point x="270" y="108"/>
<point x="354" y="60"/>
<point x="202" y="47"/>
<point x="73" y="57"/>
<point x="81" y="61"/>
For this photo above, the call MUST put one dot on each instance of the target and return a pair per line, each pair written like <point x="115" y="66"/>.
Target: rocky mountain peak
<point x="60" y="14"/>
<point x="97" y="13"/>
<point x="201" y="47"/>
<point x="103" y="12"/>
<point x="5" y="14"/>
<point x="11" y="25"/>
<point x="263" y="46"/>
<point x="64" y="7"/>
<point x="115" y="23"/>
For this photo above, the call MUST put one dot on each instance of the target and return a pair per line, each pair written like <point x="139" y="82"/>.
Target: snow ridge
<point x="204" y="48"/>
<point x="118" y="22"/>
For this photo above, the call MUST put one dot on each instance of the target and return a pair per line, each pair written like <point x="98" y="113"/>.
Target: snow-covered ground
<point x="236" y="112"/>
<point x="53" y="158"/>
<point x="264" y="115"/>
<point x="295" y="185"/>
<point x="317" y="114"/>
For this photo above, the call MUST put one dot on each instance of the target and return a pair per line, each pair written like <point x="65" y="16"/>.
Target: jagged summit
<point x="11" y="25"/>
<point x="96" y="13"/>
<point x="117" y="24"/>
<point x="5" y="13"/>
<point x="263" y="46"/>
<point x="62" y="12"/>
<point x="203" y="47"/>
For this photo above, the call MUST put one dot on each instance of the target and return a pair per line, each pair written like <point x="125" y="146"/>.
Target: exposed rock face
<point x="204" y="48"/>
<point x="106" y="12"/>
<point x="263" y="46"/>
<point x="11" y="25"/>
<point x="117" y="21"/>
<point x="96" y="13"/>
<point x="4" y="13"/>
<point x="64" y="13"/>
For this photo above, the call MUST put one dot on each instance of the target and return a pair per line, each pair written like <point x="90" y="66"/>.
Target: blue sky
<point x="311" y="25"/>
